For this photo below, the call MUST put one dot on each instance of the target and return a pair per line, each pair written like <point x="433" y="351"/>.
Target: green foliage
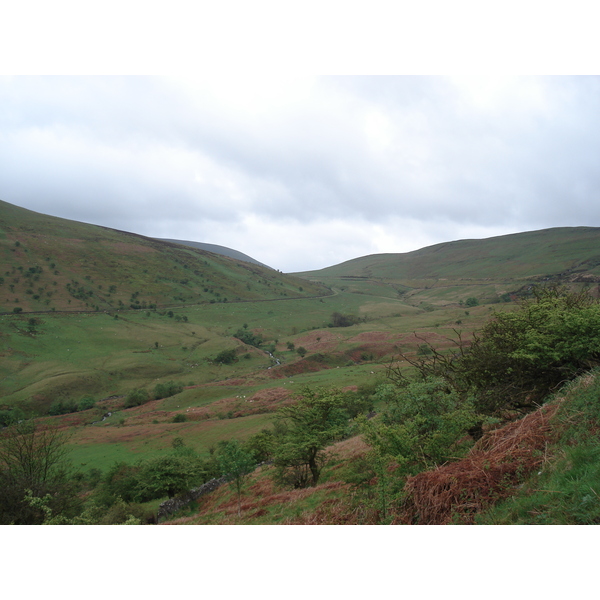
<point x="301" y="351"/>
<point x="340" y="320"/>
<point x="305" y="428"/>
<point x="168" y="476"/>
<point x="236" y="462"/>
<point x="63" y="407"/>
<point x="32" y="462"/>
<point x="136" y="398"/>
<point x="180" y="418"/>
<point x="166" y="390"/>
<point x="226" y="357"/>
<point x="424" y="424"/>
<point x="520" y="357"/>
<point x="261" y="445"/>
<point x="8" y="416"/>
<point x="471" y="301"/>
<point x="86" y="403"/>
<point x="245" y="335"/>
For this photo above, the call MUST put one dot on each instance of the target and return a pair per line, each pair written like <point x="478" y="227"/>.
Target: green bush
<point x="62" y="407"/>
<point x="226" y="357"/>
<point x="424" y="424"/>
<point x="166" y="390"/>
<point x="518" y="358"/>
<point x="136" y="398"/>
<point x="86" y="403"/>
<point x="9" y="416"/>
<point x="180" y="418"/>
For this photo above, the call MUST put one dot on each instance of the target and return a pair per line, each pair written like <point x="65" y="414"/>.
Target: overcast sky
<point x="305" y="172"/>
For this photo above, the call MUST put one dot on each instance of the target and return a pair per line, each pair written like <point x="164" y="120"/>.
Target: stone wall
<point x="172" y="505"/>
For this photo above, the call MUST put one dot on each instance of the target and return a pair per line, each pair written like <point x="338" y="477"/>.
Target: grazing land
<point x="90" y="317"/>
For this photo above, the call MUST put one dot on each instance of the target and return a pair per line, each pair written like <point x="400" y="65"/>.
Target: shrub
<point x="166" y="390"/>
<point x="86" y="403"/>
<point x="62" y="407"/>
<point x="136" y="398"/>
<point x="520" y="357"/>
<point x="180" y="418"/>
<point x="226" y="357"/>
<point x="424" y="423"/>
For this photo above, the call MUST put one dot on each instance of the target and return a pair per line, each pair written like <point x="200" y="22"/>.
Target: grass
<point x="565" y="490"/>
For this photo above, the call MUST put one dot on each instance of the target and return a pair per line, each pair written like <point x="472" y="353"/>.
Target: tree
<point x="423" y="425"/>
<point x="306" y="428"/>
<point x="301" y="351"/>
<point x="168" y="476"/>
<point x="236" y="463"/>
<point x="226" y="357"/>
<point x="32" y="458"/>
<point x="518" y="358"/>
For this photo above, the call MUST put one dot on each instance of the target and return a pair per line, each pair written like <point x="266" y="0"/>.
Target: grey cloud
<point x="157" y="155"/>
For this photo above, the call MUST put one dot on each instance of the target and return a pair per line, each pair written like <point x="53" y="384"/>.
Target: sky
<point x="303" y="172"/>
<point x="298" y="169"/>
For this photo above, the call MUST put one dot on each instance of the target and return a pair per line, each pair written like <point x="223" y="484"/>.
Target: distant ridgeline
<point x="216" y="249"/>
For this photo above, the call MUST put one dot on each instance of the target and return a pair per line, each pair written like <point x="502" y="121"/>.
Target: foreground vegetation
<point x="476" y="435"/>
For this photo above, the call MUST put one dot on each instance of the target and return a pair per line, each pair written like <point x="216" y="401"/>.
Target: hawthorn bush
<point x="520" y="357"/>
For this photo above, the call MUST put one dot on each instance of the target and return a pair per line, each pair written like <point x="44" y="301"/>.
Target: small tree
<point x="33" y="458"/>
<point x="301" y="351"/>
<point x="317" y="419"/>
<point x="236" y="463"/>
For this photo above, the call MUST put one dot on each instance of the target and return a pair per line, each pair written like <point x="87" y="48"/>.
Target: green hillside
<point x="106" y="321"/>
<point x="48" y="263"/>
<point x="566" y="251"/>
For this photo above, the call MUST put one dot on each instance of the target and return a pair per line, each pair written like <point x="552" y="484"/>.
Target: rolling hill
<point x="48" y="263"/>
<point x="548" y="253"/>
<point x="216" y="249"/>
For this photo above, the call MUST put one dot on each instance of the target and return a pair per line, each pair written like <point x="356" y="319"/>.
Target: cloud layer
<point x="302" y="173"/>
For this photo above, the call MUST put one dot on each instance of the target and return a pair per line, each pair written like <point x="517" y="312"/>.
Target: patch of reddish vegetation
<point x="318" y="341"/>
<point x="371" y="336"/>
<point x="267" y="400"/>
<point x="456" y="492"/>
<point x="435" y="339"/>
<point x="306" y="365"/>
<point x="127" y="248"/>
<point x="372" y="351"/>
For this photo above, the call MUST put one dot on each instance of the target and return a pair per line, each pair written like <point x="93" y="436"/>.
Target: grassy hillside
<point x="216" y="249"/>
<point x="540" y="254"/>
<point x="47" y="263"/>
<point x="491" y="270"/>
<point x="104" y="313"/>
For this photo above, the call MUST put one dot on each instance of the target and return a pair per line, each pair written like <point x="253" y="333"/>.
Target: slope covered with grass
<point x="48" y="263"/>
<point x="544" y="253"/>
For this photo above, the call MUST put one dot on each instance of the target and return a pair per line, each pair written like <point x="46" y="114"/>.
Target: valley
<point x="93" y="315"/>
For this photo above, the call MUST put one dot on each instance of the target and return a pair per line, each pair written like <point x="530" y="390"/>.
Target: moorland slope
<point x="48" y="263"/>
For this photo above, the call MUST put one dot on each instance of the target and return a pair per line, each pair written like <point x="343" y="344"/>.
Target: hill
<point x="48" y="263"/>
<point x="544" y="254"/>
<point x="216" y="249"/>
